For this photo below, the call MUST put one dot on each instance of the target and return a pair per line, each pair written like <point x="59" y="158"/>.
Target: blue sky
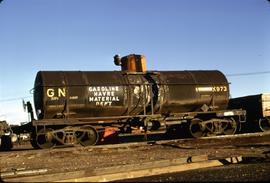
<point x="229" y="35"/>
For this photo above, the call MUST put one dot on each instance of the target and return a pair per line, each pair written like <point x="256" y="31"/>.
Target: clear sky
<point x="232" y="36"/>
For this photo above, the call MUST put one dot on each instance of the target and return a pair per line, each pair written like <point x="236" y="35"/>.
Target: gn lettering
<point x="60" y="92"/>
<point x="54" y="94"/>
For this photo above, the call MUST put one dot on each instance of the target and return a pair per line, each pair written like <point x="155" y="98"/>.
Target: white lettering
<point x="103" y="95"/>
<point x="73" y="97"/>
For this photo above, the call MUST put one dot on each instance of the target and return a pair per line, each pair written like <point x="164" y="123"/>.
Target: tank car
<point x="79" y="106"/>
<point x="258" y="111"/>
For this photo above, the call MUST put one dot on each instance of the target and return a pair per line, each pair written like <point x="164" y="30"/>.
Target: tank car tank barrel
<point x="128" y="97"/>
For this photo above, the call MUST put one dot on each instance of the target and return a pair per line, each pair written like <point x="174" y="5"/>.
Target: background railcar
<point x="258" y="111"/>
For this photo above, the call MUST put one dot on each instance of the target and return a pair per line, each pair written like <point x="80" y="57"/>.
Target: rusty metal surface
<point x="131" y="63"/>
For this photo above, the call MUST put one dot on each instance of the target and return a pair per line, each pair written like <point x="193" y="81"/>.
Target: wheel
<point x="87" y="135"/>
<point x="196" y="129"/>
<point x="231" y="127"/>
<point x="33" y="140"/>
<point x="5" y="143"/>
<point x="45" y="138"/>
<point x="264" y="124"/>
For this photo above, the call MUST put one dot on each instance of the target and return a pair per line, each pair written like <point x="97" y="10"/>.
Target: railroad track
<point x="238" y="139"/>
<point x="115" y="172"/>
<point x="131" y="160"/>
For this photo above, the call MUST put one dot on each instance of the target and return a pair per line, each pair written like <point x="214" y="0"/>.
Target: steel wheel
<point x="264" y="124"/>
<point x="196" y="129"/>
<point x="231" y="127"/>
<point x="5" y="143"/>
<point x="44" y="138"/>
<point x="87" y="135"/>
<point x="33" y="140"/>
